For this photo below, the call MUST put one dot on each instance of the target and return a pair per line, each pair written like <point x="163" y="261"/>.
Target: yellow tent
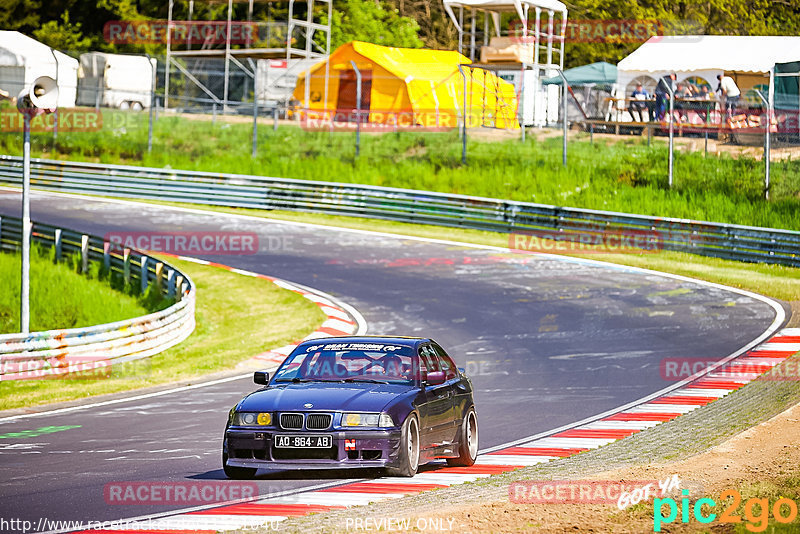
<point x="405" y="87"/>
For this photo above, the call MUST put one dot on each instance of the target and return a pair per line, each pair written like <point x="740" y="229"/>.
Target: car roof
<point x="396" y="340"/>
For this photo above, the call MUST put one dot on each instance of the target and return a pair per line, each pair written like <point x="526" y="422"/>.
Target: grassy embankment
<point x="235" y="320"/>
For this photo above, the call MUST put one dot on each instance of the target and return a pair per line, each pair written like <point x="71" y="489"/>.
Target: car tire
<point x="408" y="455"/>
<point x="237" y="473"/>
<point x="468" y="443"/>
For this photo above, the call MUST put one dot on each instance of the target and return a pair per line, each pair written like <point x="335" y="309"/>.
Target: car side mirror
<point x="435" y="378"/>
<point x="261" y="377"/>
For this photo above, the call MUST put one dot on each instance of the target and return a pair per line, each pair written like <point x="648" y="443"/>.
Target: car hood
<point x="355" y="397"/>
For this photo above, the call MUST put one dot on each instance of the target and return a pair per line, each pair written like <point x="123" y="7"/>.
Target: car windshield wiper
<point x="371" y="380"/>
<point x="295" y="379"/>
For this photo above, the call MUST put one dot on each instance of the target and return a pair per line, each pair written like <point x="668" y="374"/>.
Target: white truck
<point x="115" y="80"/>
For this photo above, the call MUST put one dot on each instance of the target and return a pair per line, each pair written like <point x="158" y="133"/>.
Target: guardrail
<point x="735" y="242"/>
<point x="93" y="350"/>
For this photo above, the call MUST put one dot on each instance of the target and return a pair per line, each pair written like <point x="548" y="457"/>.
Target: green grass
<point x="63" y="298"/>
<point x="237" y="317"/>
<point x="626" y="176"/>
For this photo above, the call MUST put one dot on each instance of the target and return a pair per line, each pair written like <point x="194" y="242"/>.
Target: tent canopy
<point x="419" y="87"/>
<point x="600" y="73"/>
<point x="712" y="52"/>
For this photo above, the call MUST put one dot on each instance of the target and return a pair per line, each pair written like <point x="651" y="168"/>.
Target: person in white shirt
<point x="728" y="88"/>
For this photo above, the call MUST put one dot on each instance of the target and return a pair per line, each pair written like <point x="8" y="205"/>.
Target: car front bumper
<point x="350" y="449"/>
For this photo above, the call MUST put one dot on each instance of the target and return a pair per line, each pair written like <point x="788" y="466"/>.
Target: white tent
<point x="23" y="59"/>
<point x="705" y="56"/>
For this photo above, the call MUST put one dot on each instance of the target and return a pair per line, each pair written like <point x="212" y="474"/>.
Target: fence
<point x="72" y="351"/>
<point x="735" y="242"/>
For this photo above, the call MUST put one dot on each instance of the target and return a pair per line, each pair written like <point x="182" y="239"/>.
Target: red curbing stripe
<point x="785" y="339"/>
<point x="781" y="354"/>
<point x="677" y="399"/>
<point x="477" y="469"/>
<point x="540" y="451"/>
<point x="717" y="384"/>
<point x="268" y="509"/>
<point x="641" y="416"/>
<point x="364" y="487"/>
<point x="616" y="433"/>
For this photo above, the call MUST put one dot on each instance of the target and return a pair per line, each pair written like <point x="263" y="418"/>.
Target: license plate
<point x="290" y="441"/>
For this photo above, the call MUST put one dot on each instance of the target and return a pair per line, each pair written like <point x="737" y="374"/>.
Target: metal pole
<point x="766" y="144"/>
<point x="522" y="103"/>
<point x="255" y="110"/>
<point x="226" y="81"/>
<point x="464" y="120"/>
<point x="169" y="50"/>
<point x="24" y="312"/>
<point x="671" y="130"/>
<point x="55" y="113"/>
<point x="152" y="104"/>
<point x="564" y="108"/>
<point x="358" y="107"/>
<point x="275" y="119"/>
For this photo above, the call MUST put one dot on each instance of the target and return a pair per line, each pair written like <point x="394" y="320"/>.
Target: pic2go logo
<point x="756" y="511"/>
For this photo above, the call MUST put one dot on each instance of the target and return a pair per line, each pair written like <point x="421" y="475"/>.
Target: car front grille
<point x="292" y="421"/>
<point x="318" y="421"/>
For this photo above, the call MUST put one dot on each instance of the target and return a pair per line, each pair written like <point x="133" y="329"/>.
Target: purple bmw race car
<point x="355" y="402"/>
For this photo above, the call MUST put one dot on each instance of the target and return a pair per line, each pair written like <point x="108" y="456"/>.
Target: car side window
<point x="445" y="362"/>
<point x="428" y="361"/>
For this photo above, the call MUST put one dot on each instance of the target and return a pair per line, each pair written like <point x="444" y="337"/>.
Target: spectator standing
<point x="639" y="102"/>
<point x="728" y="88"/>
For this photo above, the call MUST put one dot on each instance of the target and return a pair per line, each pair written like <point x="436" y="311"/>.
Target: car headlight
<point x="367" y="419"/>
<point x="252" y="418"/>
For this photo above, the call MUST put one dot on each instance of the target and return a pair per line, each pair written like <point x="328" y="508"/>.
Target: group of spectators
<point x="687" y="97"/>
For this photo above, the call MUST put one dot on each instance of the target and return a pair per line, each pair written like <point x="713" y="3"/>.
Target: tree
<point x="372" y="22"/>
<point x="64" y="35"/>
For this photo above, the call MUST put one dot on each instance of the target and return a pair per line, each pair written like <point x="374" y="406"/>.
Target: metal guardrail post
<point x="143" y="275"/>
<point x="57" y="238"/>
<point x="107" y="256"/>
<point x="170" y="282"/>
<point x="126" y="265"/>
<point x="159" y="277"/>
<point x="84" y="253"/>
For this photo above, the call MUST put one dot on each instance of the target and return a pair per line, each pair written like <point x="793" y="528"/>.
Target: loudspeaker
<point x="41" y="95"/>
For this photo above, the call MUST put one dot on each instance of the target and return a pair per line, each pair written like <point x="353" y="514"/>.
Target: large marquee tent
<point x="407" y="87"/>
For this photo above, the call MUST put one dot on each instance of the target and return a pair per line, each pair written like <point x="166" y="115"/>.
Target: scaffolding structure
<point x="537" y="30"/>
<point x="292" y="39"/>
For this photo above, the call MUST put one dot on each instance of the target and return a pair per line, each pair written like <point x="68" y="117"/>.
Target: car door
<point x="436" y="415"/>
<point x="459" y="394"/>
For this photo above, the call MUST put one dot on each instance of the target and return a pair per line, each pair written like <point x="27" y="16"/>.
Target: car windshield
<point x="349" y="362"/>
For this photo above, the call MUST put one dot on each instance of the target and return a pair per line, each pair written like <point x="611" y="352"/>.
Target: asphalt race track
<point x="547" y="341"/>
